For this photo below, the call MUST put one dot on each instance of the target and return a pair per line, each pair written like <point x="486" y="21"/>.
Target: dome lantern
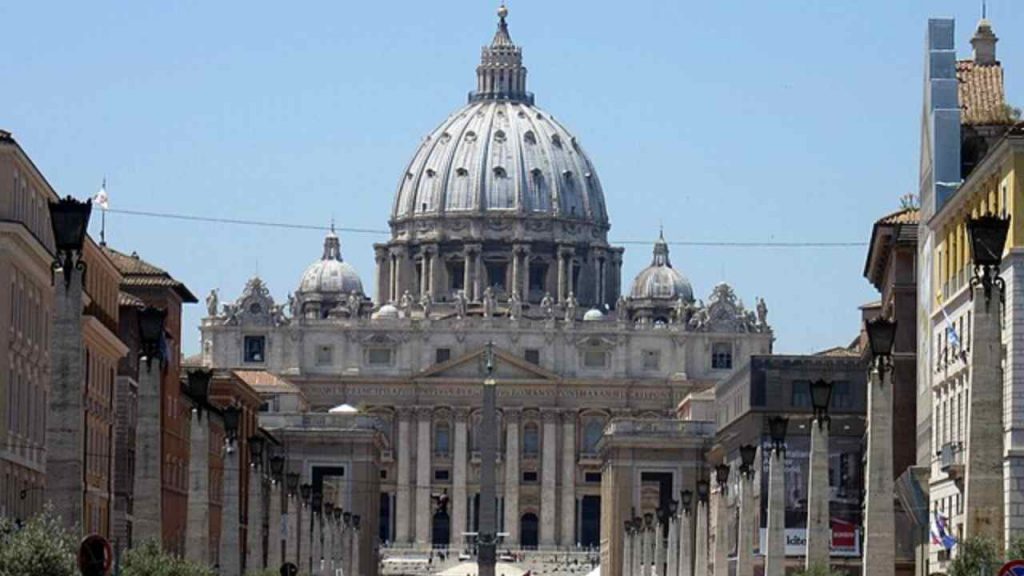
<point x="501" y="74"/>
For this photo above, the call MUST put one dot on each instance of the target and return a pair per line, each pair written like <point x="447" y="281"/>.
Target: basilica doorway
<point x="528" y="527"/>
<point x="441" y="531"/>
<point x="590" y="521"/>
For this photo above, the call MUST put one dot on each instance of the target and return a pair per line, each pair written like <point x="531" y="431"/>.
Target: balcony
<point x="951" y="460"/>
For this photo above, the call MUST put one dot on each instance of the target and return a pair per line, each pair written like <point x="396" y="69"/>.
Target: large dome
<point x="330" y="276"/>
<point x="501" y="156"/>
<point x="660" y="281"/>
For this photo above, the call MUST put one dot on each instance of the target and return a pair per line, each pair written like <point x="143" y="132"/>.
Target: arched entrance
<point x="441" y="532"/>
<point x="528" y="525"/>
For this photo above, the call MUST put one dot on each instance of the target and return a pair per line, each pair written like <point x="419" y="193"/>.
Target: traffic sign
<point x="95" y="556"/>
<point x="1012" y="568"/>
<point x="289" y="569"/>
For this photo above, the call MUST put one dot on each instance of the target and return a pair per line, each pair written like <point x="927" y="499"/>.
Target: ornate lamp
<point x="232" y="416"/>
<point x="256" y="450"/>
<point x="306" y="492"/>
<point x="881" y="338"/>
<point x="777" y="426"/>
<point x="722" y="476"/>
<point x="69" y="220"/>
<point x="703" y="490"/>
<point x="355" y="521"/>
<point x="649" y="520"/>
<point x="987" y="236"/>
<point x="347" y="518"/>
<point x="821" y="396"/>
<point x="686" y="498"/>
<point x="337" y="514"/>
<point x="317" y="502"/>
<point x="151" y="333"/>
<point x="292" y="482"/>
<point x="673" y="507"/>
<point x="197" y="386"/>
<point x="277" y="466"/>
<point x="747" y="454"/>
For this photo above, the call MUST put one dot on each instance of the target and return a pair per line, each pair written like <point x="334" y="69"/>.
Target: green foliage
<point x="1015" y="551"/>
<point x="40" y="548"/>
<point x="149" y="560"/>
<point x="820" y="570"/>
<point x="976" y="557"/>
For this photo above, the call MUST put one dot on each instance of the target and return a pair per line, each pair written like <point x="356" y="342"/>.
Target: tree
<point x="975" y="557"/>
<point x="42" y="547"/>
<point x="1015" y="551"/>
<point x="149" y="560"/>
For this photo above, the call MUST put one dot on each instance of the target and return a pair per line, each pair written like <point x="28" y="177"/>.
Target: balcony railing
<point x="653" y="427"/>
<point x="951" y="459"/>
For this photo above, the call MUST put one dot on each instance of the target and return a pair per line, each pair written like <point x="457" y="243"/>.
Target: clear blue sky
<point x="731" y="121"/>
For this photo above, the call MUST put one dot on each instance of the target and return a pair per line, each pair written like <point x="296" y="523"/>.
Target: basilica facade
<point x="499" y="234"/>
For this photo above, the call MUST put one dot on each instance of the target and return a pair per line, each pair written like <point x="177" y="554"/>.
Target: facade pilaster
<point x="459" y="478"/>
<point x="197" y="516"/>
<point x="568" y="478"/>
<point x="423" y="455"/>
<point x="403" y="505"/>
<point x="380" y="254"/>
<point x="512" y="479"/>
<point x="548" y="497"/>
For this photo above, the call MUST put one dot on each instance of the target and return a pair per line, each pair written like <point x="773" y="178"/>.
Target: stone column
<point x="230" y="533"/>
<point x="672" y="562"/>
<point x="197" y="515"/>
<point x="775" y="559"/>
<point x="254" y="530"/>
<point x="721" y="552"/>
<point x="686" y="543"/>
<point x="292" y="530"/>
<point x="512" y="476"/>
<point x="274" y="522"/>
<point x="305" y="538"/>
<point x="569" y="478"/>
<point x="514" y="284"/>
<point x="819" y="530"/>
<point x="403" y="513"/>
<point x="548" y="498"/>
<point x="423" y="454"/>
<point x="700" y="541"/>
<point x="983" y="460"/>
<point x="148" y="456"/>
<point x="459" y="479"/>
<point x="65" y="421"/>
<point x="645" y="558"/>
<point x="478" y="274"/>
<point x="467" y="272"/>
<point x="383" y="274"/>
<point x="316" y="546"/>
<point x="745" y="542"/>
<point x="879" y="527"/>
<point x="560" y="296"/>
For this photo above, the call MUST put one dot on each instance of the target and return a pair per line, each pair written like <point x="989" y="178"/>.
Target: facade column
<point x="380" y="256"/>
<point x="356" y="568"/>
<point x="548" y="497"/>
<point x="745" y="541"/>
<point x="478" y="275"/>
<point x="254" y="530"/>
<point x="274" y="558"/>
<point x="512" y="476"/>
<point x="819" y="530"/>
<point x="148" y="456"/>
<point x="569" y="478"/>
<point x="197" y="515"/>
<point x="459" y="479"/>
<point x="432" y="282"/>
<point x="230" y="532"/>
<point x="700" y="554"/>
<point x="983" y="461"/>
<point x="775" y="560"/>
<point x="525" y="280"/>
<point x="423" y="455"/>
<point x="685" y="565"/>
<point x="721" y="553"/>
<point x="65" y="422"/>
<point x="879" y="517"/>
<point x="467" y="272"/>
<point x="560" y="296"/>
<point x="403" y="508"/>
<point x="514" y="284"/>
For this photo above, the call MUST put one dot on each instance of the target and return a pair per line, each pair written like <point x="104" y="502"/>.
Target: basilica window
<point x="442" y="439"/>
<point x="532" y="356"/>
<point x="801" y="395"/>
<point x="442" y="355"/>
<point x="457" y="275"/>
<point x="324" y="355"/>
<point x="530" y="477"/>
<point x="595" y="358"/>
<point x="652" y="359"/>
<point x="254" y="348"/>
<point x="538" y="274"/>
<point x="496" y="272"/>
<point x="379" y="356"/>
<point x="721" y="356"/>
<point x="592" y="432"/>
<point x="841" y="395"/>
<point x="531" y="440"/>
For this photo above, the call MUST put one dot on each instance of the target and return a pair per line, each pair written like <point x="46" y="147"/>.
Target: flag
<point x="101" y="197"/>
<point x="940" y="534"/>
<point x="951" y="336"/>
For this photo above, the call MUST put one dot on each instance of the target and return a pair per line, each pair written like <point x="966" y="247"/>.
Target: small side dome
<point x="386" y="312"/>
<point x="343" y="409"/>
<point x="660" y="281"/>
<point x="330" y="275"/>
<point x="593" y="315"/>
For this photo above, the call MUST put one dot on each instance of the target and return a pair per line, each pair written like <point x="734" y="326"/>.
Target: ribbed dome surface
<point x="330" y="275"/>
<point x="503" y="156"/>
<point x="660" y="281"/>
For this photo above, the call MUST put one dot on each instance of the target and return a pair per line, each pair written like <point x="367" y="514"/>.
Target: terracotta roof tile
<point x="126" y="299"/>
<point x="840" y="351"/>
<point x="266" y="383"/>
<point x="137" y="272"/>
<point x="904" y="216"/>
<point x="982" y="100"/>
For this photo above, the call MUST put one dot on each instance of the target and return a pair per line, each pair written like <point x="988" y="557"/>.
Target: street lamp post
<point x="275" y="536"/>
<point x="148" y="490"/>
<point x="316" y="533"/>
<point x="745" y="541"/>
<point x="197" y="513"/>
<point x="700" y="559"/>
<point x="984" y="463"/>
<point x="661" y="519"/>
<point x="65" y="424"/>
<point x="721" y="554"/>
<point x="686" y="533"/>
<point x="305" y="543"/>
<point x="627" y="548"/>
<point x="819" y="529"/>
<point x="230" y="543"/>
<point x="487" y="538"/>
<point x="672" y="561"/>
<point x="291" y="481"/>
<point x="254" y="532"/>
<point x="775" y="559"/>
<point x="879" y="520"/>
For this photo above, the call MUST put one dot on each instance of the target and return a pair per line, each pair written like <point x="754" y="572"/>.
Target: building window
<point x="721" y="356"/>
<point x="592" y="432"/>
<point x="442" y="355"/>
<point x="441" y="475"/>
<point x="324" y="355"/>
<point x="442" y="439"/>
<point x="801" y="397"/>
<point x="841" y="396"/>
<point x="531" y="439"/>
<point x="538" y="273"/>
<point x="532" y="356"/>
<point x="592" y="477"/>
<point x="264" y="407"/>
<point x="255" y="348"/>
<point x="378" y="356"/>
<point x="496" y="274"/>
<point x="530" y="477"/>
<point x="652" y="359"/>
<point x="595" y="359"/>
<point x="457" y="275"/>
<point x="383" y="474"/>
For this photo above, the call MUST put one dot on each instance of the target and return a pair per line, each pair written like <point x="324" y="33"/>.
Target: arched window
<point x="592" y="431"/>
<point x="442" y="439"/>
<point x="531" y="439"/>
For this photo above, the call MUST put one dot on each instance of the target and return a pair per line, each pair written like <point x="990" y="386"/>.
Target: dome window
<point x="470" y="136"/>
<point x="567" y="174"/>
<point x="408" y="175"/>
<point x="499" y="136"/>
<point x="461" y="172"/>
<point x="530" y="137"/>
<point x="556" y="140"/>
<point x="537" y="173"/>
<point x="431" y="173"/>
<point x="445" y="138"/>
<point x="499" y="172"/>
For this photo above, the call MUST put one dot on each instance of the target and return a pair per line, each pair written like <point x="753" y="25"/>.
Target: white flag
<point x="101" y="197"/>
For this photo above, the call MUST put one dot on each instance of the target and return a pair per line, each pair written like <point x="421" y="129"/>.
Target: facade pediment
<point x="472" y="366"/>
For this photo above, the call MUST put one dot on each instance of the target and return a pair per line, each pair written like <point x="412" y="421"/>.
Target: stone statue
<point x="230" y="313"/>
<point x="406" y="304"/>
<point x="355" y="302"/>
<point x="427" y="304"/>
<point x="700" y="318"/>
<point x="490" y="302"/>
<point x="547" y="305"/>
<point x="570" y="308"/>
<point x="293" y="306"/>
<point x="762" y="314"/>
<point x="277" y="315"/>
<point x="682" y="311"/>
<point x="515" y="306"/>
<point x="460" y="304"/>
<point x="211" y="303"/>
